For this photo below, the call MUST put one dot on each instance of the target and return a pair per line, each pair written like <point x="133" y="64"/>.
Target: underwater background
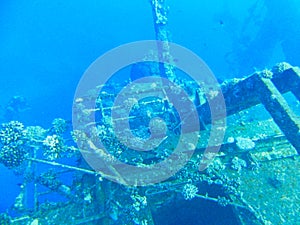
<point x="45" y="47"/>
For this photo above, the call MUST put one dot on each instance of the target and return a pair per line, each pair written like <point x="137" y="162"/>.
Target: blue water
<point x="45" y="47"/>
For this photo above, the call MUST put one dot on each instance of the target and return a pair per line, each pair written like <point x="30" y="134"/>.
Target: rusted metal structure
<point x="256" y="167"/>
<point x="254" y="179"/>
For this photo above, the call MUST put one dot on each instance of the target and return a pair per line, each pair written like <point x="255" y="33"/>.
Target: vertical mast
<point x="160" y="11"/>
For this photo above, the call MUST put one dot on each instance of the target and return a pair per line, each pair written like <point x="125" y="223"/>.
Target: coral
<point x="266" y="74"/>
<point x="281" y="67"/>
<point x="138" y="201"/>
<point x="245" y="143"/>
<point x="5" y="219"/>
<point x="238" y="164"/>
<point x="53" y="147"/>
<point x="223" y="201"/>
<point x="189" y="191"/>
<point x="217" y="166"/>
<point x="34" y="133"/>
<point x="11" y="132"/>
<point x="59" y="126"/>
<point x="49" y="179"/>
<point x="78" y="135"/>
<point x="12" y="156"/>
<point x="12" y="152"/>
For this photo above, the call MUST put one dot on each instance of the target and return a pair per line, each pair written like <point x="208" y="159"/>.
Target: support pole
<point x="160" y="11"/>
<point x="279" y="109"/>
